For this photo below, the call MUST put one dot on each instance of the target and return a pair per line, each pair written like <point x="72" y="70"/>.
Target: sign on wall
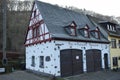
<point x="2" y="70"/>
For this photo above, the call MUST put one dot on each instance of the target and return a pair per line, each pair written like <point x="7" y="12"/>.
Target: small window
<point x="34" y="32"/>
<point x="119" y="43"/>
<point x="113" y="43"/>
<point x="86" y="33"/>
<point x="71" y="29"/>
<point x="41" y="61"/>
<point x="34" y="13"/>
<point x="33" y="61"/>
<point x="47" y="58"/>
<point x="108" y="27"/>
<point x="97" y="34"/>
<point x="115" y="61"/>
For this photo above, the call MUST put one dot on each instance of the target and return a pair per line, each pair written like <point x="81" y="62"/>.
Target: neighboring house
<point x="62" y="42"/>
<point x="111" y="31"/>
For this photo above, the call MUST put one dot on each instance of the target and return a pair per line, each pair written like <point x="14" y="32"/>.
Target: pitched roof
<point x="56" y="18"/>
<point x="104" y="30"/>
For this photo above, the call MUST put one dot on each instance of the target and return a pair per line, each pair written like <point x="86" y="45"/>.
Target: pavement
<point x="100" y="75"/>
<point x="21" y="75"/>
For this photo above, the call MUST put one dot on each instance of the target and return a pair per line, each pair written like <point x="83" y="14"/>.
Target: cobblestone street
<point x="100" y="75"/>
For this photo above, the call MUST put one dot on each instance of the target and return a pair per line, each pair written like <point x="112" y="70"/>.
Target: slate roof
<point x="56" y="18"/>
<point x="106" y="32"/>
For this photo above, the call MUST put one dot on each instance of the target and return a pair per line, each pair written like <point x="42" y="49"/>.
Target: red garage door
<point x="93" y="60"/>
<point x="71" y="62"/>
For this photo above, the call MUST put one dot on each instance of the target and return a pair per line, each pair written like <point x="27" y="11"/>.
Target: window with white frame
<point x="108" y="27"/>
<point x="113" y="43"/>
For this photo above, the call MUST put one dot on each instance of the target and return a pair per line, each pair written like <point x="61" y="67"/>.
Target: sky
<point x="105" y="7"/>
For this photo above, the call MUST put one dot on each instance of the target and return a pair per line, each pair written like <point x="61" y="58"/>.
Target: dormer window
<point x="111" y="27"/>
<point x="86" y="31"/>
<point x="71" y="29"/>
<point x="97" y="33"/>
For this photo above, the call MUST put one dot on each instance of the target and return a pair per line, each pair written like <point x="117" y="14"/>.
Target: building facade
<point x="62" y="42"/>
<point x="112" y="33"/>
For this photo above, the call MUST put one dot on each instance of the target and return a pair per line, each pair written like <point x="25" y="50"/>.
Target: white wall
<point x="51" y="49"/>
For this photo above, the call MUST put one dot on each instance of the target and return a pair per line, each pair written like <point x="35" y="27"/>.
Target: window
<point x="36" y="32"/>
<point x="33" y="61"/>
<point x="119" y="43"/>
<point x="111" y="27"/>
<point x="71" y="29"/>
<point x="86" y="33"/>
<point x="97" y="35"/>
<point x="108" y="27"/>
<point x="113" y="43"/>
<point x="34" y="13"/>
<point x="115" y="61"/>
<point x="41" y="62"/>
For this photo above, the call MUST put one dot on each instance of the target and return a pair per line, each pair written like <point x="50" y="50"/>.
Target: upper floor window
<point x="86" y="31"/>
<point x="97" y="33"/>
<point x="36" y="32"/>
<point x="34" y="13"/>
<point x="71" y="29"/>
<point x="110" y="27"/>
<point x="113" y="43"/>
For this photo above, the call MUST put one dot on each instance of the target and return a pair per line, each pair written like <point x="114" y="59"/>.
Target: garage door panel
<point x="77" y="62"/>
<point x="93" y="60"/>
<point x="71" y="62"/>
<point x="66" y="69"/>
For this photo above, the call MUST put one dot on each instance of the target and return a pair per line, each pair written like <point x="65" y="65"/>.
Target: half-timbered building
<point x="62" y="42"/>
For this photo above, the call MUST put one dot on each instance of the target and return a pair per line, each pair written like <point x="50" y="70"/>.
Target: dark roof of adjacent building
<point x="104" y="30"/>
<point x="56" y="18"/>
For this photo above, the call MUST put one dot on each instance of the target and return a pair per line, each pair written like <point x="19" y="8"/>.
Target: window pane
<point x="41" y="61"/>
<point x="119" y="43"/>
<point x="115" y="61"/>
<point x="113" y="43"/>
<point x="33" y="61"/>
<point x="86" y="33"/>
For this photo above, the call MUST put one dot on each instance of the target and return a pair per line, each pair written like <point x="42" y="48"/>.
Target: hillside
<point x="17" y="23"/>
